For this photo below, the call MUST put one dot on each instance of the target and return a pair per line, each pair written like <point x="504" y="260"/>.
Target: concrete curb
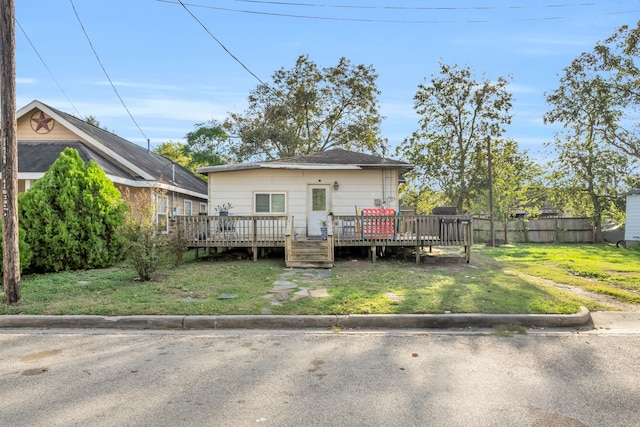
<point x="357" y="321"/>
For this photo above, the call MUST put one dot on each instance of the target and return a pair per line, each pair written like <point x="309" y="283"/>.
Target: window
<point x="162" y="218"/>
<point x="203" y="208"/>
<point x="187" y="208"/>
<point x="270" y="202"/>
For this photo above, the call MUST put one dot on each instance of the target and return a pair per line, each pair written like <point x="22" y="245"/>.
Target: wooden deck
<point x="268" y="231"/>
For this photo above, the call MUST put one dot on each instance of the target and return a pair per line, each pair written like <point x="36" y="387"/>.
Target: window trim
<point x="184" y="207"/>
<point x="165" y="214"/>
<point x="270" y="194"/>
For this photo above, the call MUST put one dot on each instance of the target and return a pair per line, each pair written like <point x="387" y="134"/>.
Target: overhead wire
<point x="351" y="6"/>
<point x="220" y="43"/>
<point x="47" y="68"/>
<point x="105" y="72"/>
<point x="400" y="8"/>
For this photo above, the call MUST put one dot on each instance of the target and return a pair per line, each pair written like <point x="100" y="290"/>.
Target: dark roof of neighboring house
<point x="36" y="156"/>
<point x="155" y="167"/>
<point x="337" y="158"/>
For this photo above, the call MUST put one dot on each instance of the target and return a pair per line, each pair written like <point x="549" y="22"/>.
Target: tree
<point x="205" y="147"/>
<point x="613" y="66"/>
<point x="590" y="168"/>
<point x="457" y="113"/>
<point x="208" y="145"/>
<point x="309" y="109"/>
<point x="588" y="178"/>
<point x="515" y="175"/>
<point x="70" y="216"/>
<point x="174" y="151"/>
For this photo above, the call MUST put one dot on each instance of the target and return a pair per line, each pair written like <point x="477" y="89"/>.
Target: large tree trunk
<point x="10" y="248"/>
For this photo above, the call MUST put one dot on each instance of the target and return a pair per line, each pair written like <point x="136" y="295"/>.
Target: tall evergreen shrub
<point x="70" y="216"/>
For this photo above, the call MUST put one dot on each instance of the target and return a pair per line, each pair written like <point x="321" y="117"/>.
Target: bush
<point x="144" y="247"/>
<point x="70" y="216"/>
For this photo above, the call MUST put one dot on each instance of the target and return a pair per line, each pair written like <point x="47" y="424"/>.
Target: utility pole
<point x="492" y="231"/>
<point x="8" y="125"/>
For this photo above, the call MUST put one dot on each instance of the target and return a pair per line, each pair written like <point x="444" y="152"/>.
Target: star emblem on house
<point x="41" y="123"/>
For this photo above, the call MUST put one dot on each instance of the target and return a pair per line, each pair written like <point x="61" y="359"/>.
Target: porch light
<point x="336" y="185"/>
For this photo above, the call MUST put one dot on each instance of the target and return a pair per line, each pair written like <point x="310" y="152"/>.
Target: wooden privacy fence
<point x="544" y="230"/>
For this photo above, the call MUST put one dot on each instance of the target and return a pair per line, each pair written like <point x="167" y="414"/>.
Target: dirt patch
<point x="610" y="302"/>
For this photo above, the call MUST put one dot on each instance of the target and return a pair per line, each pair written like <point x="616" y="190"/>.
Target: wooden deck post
<point x="255" y="240"/>
<point x="418" y="246"/>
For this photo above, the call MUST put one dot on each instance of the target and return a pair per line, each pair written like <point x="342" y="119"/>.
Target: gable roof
<point x="332" y="159"/>
<point x="123" y="161"/>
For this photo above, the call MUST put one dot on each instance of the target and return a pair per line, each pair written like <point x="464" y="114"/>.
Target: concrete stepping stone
<point x="394" y="297"/>
<point x="318" y="293"/>
<point x="282" y="297"/>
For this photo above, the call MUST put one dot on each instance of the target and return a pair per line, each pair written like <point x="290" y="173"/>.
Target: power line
<point x="343" y="6"/>
<point x="399" y="8"/>
<point x="219" y="42"/>
<point x="47" y="68"/>
<point x="105" y="71"/>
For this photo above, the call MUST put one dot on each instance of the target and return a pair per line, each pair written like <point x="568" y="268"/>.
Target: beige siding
<point x="59" y="132"/>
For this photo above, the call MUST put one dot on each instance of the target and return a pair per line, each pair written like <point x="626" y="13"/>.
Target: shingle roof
<point x="339" y="156"/>
<point x="332" y="159"/>
<point x="151" y="163"/>
<point x="38" y="156"/>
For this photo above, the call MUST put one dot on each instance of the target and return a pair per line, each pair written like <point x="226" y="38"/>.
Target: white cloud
<point x="26" y="80"/>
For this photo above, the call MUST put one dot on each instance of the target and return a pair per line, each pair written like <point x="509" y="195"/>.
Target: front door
<point x="318" y="203"/>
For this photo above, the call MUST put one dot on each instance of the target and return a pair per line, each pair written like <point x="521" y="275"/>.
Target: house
<point x="307" y="187"/>
<point x="632" y="226"/>
<point x="287" y="203"/>
<point x="44" y="132"/>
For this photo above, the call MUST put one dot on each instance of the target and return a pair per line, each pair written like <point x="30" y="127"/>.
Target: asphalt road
<point x="310" y="378"/>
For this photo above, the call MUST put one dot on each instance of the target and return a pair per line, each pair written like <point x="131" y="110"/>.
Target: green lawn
<point x="498" y="280"/>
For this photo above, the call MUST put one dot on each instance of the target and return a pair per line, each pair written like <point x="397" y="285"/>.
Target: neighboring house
<point x="307" y="187"/>
<point x="44" y="132"/>
<point x="632" y="226"/>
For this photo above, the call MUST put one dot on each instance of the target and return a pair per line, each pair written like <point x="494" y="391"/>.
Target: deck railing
<point x="266" y="231"/>
<point x="403" y="230"/>
<point x="233" y="231"/>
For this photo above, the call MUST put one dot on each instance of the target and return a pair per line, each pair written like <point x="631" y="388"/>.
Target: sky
<point x="173" y="68"/>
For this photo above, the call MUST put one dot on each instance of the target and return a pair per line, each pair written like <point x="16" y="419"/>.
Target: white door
<point x="318" y="207"/>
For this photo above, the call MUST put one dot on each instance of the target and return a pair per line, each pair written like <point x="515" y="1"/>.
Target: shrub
<point x="70" y="216"/>
<point x="144" y="247"/>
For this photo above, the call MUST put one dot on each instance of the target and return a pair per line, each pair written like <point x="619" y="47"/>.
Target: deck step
<point x="310" y="254"/>
<point x="309" y="264"/>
